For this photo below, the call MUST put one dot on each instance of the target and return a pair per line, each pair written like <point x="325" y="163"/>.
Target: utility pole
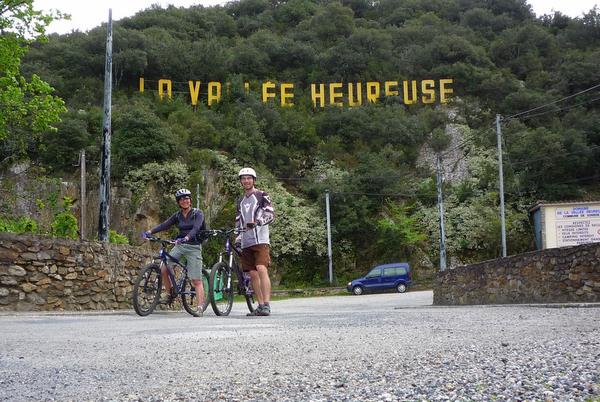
<point x="329" y="253"/>
<point x="438" y="166"/>
<point x="501" y="177"/>
<point x="103" y="222"/>
<point x="197" y="195"/>
<point x="82" y="197"/>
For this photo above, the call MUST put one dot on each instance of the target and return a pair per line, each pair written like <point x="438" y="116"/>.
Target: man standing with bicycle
<point x="255" y="213"/>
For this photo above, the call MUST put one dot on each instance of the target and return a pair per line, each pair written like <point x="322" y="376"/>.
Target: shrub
<point x="65" y="223"/>
<point x="116" y="238"/>
<point x="22" y="224"/>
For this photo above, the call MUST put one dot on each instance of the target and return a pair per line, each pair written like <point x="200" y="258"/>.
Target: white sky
<point x="87" y="14"/>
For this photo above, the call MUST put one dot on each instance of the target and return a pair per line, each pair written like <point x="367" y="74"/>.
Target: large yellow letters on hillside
<point x="350" y="94"/>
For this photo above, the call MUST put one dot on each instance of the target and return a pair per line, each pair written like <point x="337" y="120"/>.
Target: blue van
<point x="387" y="276"/>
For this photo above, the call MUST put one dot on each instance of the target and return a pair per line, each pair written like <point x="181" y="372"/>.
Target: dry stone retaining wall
<point x="566" y="274"/>
<point x="41" y="273"/>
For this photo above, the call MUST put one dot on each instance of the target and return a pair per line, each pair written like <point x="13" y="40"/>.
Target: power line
<point x="552" y="103"/>
<point x="580" y="179"/>
<point x="526" y="162"/>
<point x="561" y="109"/>
<point x="374" y="194"/>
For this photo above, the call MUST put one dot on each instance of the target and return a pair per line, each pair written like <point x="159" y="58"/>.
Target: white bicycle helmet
<point x="182" y="192"/>
<point x="247" y="172"/>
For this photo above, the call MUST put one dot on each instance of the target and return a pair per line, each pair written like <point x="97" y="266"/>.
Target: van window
<point x="374" y="272"/>
<point x="394" y="271"/>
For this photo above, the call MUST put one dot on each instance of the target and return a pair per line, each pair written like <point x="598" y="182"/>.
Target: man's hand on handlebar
<point x="146" y="234"/>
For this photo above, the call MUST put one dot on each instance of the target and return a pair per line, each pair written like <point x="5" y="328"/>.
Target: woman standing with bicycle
<point x="254" y="213"/>
<point x="189" y="221"/>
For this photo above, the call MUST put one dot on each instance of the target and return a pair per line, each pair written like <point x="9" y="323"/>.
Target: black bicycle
<point x="148" y="285"/>
<point x="226" y="277"/>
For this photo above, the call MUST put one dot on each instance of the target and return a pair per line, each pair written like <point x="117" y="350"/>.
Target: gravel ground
<point x="385" y="347"/>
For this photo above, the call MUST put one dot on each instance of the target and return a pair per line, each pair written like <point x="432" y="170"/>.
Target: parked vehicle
<point x="387" y="276"/>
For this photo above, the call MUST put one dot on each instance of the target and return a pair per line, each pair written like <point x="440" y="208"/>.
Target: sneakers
<point x="265" y="310"/>
<point x="262" y="310"/>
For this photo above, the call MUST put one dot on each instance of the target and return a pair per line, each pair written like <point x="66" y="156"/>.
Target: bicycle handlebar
<point x="158" y="239"/>
<point x="222" y="232"/>
<point x="210" y="232"/>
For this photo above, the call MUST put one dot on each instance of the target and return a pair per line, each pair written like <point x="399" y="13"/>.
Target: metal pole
<point x="197" y="195"/>
<point x="329" y="253"/>
<point x="103" y="223"/>
<point x="438" y="165"/>
<point x="83" y="203"/>
<point x="501" y="176"/>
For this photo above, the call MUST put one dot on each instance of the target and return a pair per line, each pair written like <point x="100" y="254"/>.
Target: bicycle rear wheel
<point x="146" y="290"/>
<point x="221" y="289"/>
<point x="248" y="291"/>
<point x="189" y="296"/>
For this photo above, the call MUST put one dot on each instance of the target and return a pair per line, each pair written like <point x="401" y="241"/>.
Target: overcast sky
<point x="86" y="15"/>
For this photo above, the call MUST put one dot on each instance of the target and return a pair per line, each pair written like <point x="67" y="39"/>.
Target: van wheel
<point x="401" y="288"/>
<point x="357" y="290"/>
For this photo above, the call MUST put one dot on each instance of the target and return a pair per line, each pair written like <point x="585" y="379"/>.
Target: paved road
<point x="375" y="347"/>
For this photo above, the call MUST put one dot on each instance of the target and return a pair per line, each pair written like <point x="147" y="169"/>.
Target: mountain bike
<point x="148" y="285"/>
<point x="226" y="277"/>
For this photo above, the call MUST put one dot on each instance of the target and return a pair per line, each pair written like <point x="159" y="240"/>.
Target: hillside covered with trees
<point x="502" y="59"/>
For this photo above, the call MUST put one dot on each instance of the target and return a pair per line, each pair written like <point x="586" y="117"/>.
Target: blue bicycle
<point x="148" y="285"/>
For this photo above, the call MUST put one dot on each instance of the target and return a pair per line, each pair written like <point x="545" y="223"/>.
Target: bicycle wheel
<point x="188" y="295"/>
<point x="221" y="289"/>
<point x="247" y="290"/>
<point x="146" y="290"/>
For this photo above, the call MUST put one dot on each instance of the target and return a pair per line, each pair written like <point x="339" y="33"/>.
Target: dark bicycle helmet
<point x="182" y="192"/>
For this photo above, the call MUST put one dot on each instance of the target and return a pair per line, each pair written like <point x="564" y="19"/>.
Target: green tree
<point x="60" y="150"/>
<point x="399" y="232"/>
<point x="333" y="22"/>
<point x="24" y="103"/>
<point x="139" y="137"/>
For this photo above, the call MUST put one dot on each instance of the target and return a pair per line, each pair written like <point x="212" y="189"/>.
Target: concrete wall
<point x="567" y="274"/>
<point x="41" y="273"/>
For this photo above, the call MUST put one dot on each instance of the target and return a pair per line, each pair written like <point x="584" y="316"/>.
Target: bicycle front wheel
<point x="146" y="290"/>
<point x="221" y="289"/>
<point x="189" y="297"/>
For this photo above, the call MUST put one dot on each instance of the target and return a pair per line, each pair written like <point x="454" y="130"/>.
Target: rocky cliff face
<point x="455" y="167"/>
<point x="26" y="191"/>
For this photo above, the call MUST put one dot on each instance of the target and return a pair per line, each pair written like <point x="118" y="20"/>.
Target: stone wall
<point x="567" y="274"/>
<point x="42" y="273"/>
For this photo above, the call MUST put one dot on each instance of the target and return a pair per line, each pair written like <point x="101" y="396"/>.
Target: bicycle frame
<point x="164" y="257"/>
<point x="243" y="279"/>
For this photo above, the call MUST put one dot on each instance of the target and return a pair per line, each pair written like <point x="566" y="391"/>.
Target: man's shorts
<point x="255" y="255"/>
<point x="193" y="255"/>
